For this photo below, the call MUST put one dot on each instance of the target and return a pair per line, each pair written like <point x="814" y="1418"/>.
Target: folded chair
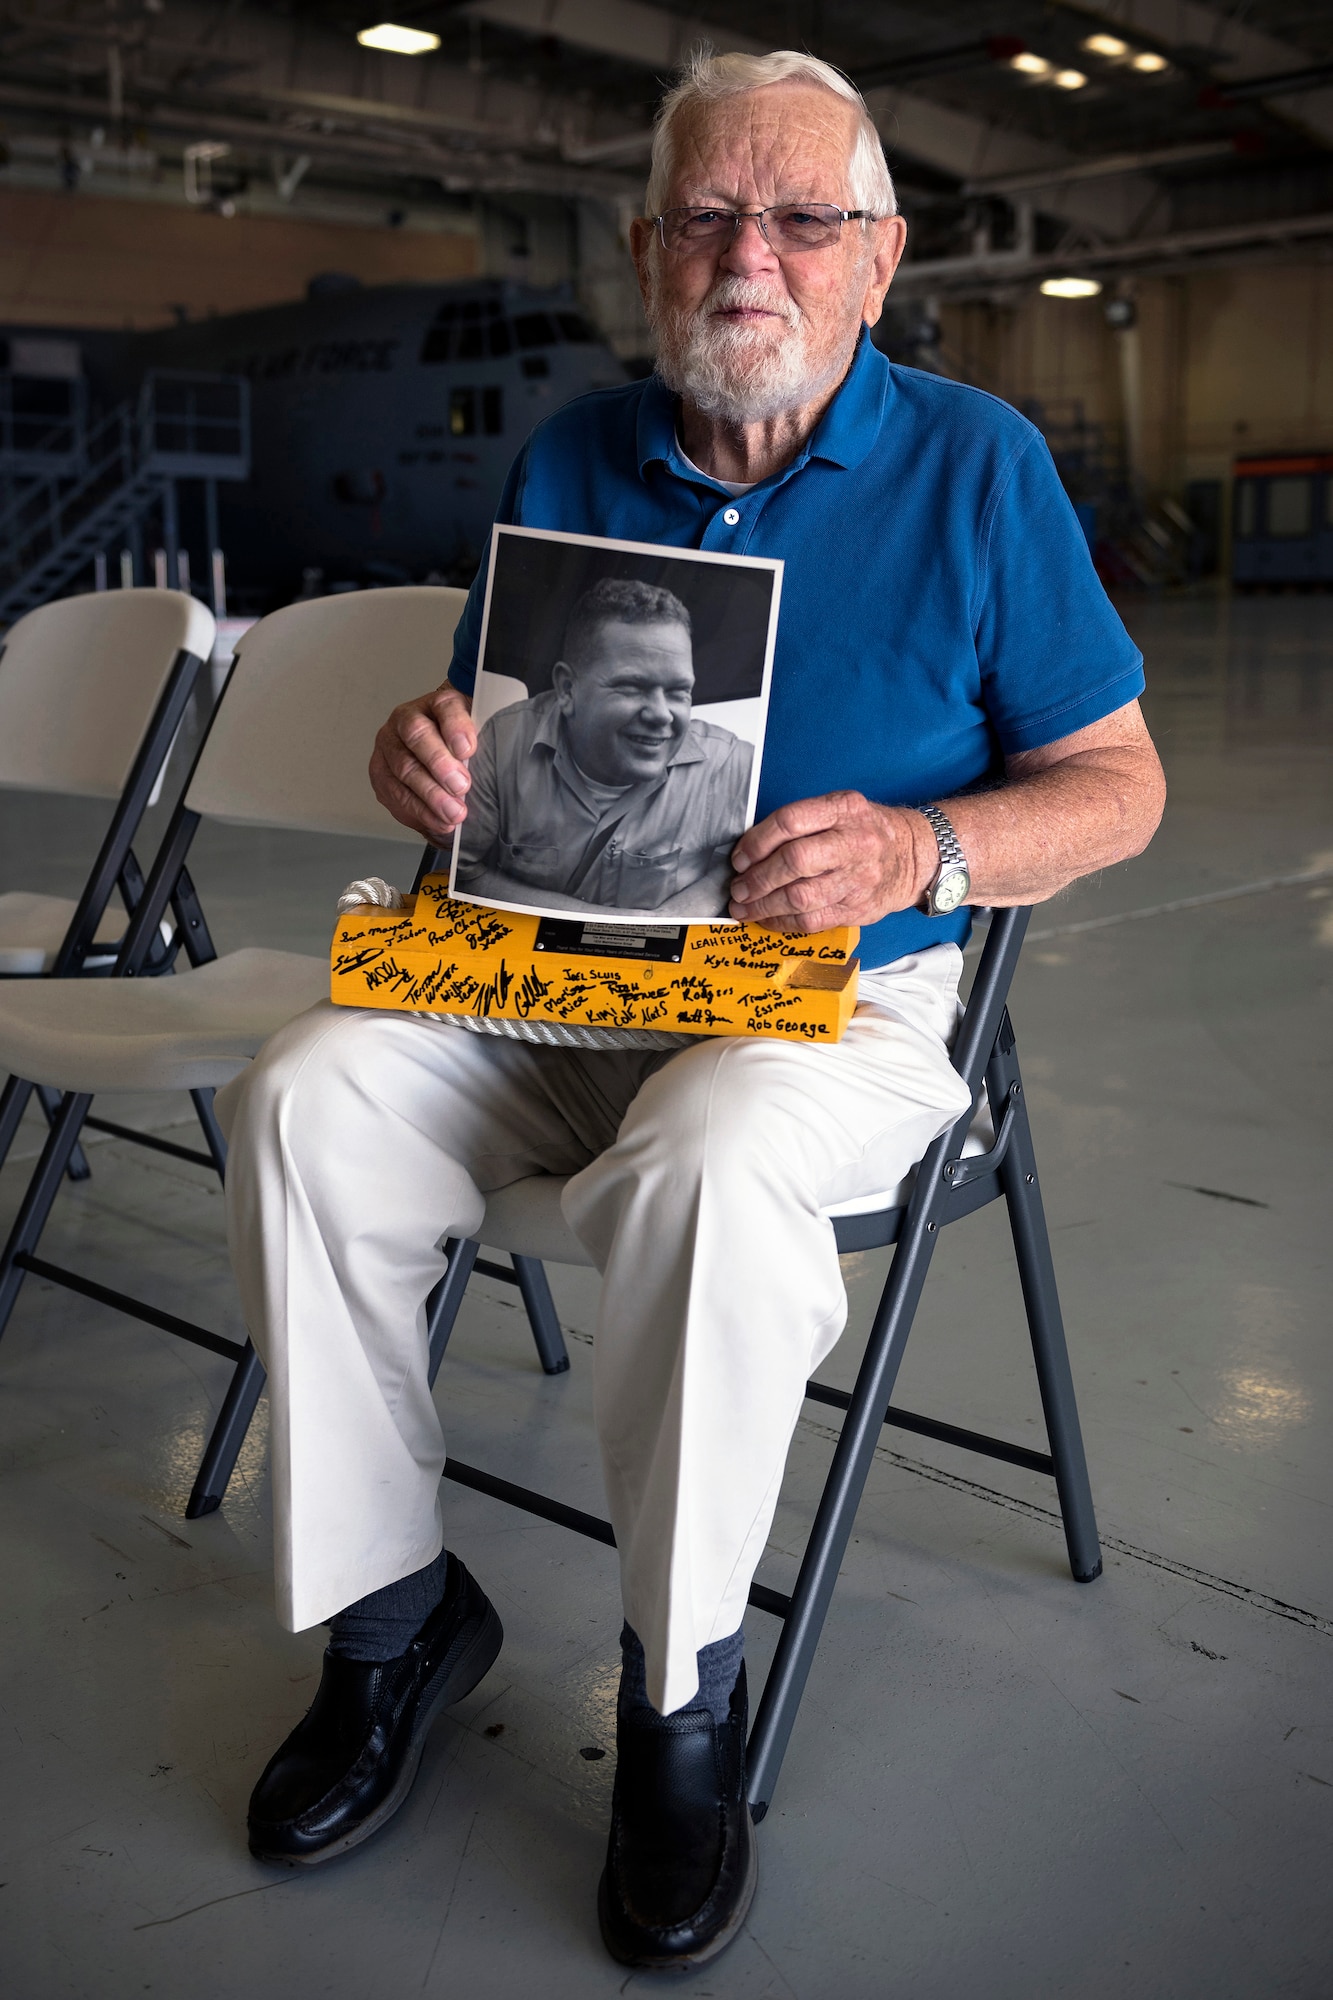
<point x="288" y="748"/>
<point x="982" y="1159"/>
<point x="92" y="692"/>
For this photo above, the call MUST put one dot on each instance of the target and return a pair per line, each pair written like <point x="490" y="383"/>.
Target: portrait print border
<point x="773" y="565"/>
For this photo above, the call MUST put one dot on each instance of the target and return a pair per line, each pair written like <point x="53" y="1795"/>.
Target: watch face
<point x="950" y="890"/>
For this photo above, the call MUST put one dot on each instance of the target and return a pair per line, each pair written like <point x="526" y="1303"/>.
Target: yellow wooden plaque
<point x="440" y="956"/>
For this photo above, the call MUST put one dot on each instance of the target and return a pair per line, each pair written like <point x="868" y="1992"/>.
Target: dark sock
<point x="719" y="1665"/>
<point x="383" y="1625"/>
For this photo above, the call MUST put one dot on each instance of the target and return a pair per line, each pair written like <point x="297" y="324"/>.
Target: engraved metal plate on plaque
<point x="595" y="939"/>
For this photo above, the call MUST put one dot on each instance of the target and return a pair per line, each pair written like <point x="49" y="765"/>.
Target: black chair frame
<point x="947" y="1187"/>
<point x="169" y="886"/>
<point x="116" y="868"/>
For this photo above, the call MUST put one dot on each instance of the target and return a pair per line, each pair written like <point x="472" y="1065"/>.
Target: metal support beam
<point x="1153" y="158"/>
<point x="962" y="275"/>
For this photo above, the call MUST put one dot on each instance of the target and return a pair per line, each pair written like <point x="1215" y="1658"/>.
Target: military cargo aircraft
<point x="383" y="420"/>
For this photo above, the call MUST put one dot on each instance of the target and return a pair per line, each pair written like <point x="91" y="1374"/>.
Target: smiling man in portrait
<point x="607" y="791"/>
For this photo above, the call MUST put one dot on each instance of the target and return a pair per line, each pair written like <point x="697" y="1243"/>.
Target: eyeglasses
<point x="806" y="225"/>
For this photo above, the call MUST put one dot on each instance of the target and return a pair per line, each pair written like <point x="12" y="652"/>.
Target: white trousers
<point x="360" y="1140"/>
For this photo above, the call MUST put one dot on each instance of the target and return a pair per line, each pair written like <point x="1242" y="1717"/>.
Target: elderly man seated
<point x="953" y="720"/>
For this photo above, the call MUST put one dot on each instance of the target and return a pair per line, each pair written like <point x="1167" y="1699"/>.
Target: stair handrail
<point x="44" y="500"/>
<point x="72" y="425"/>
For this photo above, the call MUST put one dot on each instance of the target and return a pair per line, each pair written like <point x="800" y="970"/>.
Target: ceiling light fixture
<point x="1106" y="45"/>
<point x="1029" y="64"/>
<point x="399" y="41"/>
<point x="1071" y="288"/>
<point x="1148" y="62"/>
<point x="1069" y="79"/>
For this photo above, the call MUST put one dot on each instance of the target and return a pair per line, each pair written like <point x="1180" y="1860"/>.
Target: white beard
<point x="738" y="372"/>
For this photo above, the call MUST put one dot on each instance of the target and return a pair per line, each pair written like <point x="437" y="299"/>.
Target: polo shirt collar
<point x="548" y="735"/>
<point x="844" y="435"/>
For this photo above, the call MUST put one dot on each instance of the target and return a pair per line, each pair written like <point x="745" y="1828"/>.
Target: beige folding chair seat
<point x="33" y="927"/>
<point x="82" y="681"/>
<point x="192" y="1031"/>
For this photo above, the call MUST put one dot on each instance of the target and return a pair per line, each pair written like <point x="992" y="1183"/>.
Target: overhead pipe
<point x="939" y="62"/>
<point x="1282" y="83"/>
<point x="1013" y="267"/>
<point x="479" y="170"/>
<point x="1102" y="167"/>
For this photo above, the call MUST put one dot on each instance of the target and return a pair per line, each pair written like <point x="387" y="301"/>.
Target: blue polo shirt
<point x="939" y="606"/>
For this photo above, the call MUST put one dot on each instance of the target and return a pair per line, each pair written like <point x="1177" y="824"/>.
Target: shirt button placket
<point x="731" y="515"/>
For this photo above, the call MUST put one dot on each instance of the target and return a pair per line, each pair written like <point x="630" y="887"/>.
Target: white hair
<point x="707" y="78"/>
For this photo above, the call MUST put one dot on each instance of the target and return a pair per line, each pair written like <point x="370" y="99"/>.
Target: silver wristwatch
<point x="951" y="882"/>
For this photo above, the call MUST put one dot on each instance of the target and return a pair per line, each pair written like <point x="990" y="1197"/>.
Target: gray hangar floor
<point x="1001" y="1784"/>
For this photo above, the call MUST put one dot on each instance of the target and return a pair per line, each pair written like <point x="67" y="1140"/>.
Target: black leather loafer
<point x="347" y="1767"/>
<point x="682" y="1862"/>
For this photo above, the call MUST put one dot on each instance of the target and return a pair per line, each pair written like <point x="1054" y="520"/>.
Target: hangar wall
<point x="109" y="263"/>
<point x="1231" y="361"/>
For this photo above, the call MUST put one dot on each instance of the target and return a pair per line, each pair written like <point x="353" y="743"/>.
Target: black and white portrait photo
<point x="621" y="696"/>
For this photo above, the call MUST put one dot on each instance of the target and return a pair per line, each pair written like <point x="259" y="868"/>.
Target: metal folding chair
<point x="92" y="692"/>
<point x="318" y="678"/>
<point x="958" y="1175"/>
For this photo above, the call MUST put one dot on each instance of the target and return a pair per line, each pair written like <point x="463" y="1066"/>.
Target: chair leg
<point x="208" y="1120"/>
<point x="13" y="1103"/>
<point x="844" y="1486"/>
<point x="228" y="1435"/>
<point x="443" y="1303"/>
<point x="551" y="1350"/>
<point x="41" y="1193"/>
<point x="78" y="1168"/>
<point x="1036" y="1270"/>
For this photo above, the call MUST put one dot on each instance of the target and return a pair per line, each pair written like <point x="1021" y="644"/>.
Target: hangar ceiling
<point x="1025" y="134"/>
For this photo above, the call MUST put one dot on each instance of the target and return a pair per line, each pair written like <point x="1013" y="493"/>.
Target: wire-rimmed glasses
<point x="786" y="226"/>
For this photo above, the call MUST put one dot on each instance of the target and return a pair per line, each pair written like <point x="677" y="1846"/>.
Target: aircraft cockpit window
<point x="535" y="330"/>
<point x="475" y="329"/>
<point x="462" y="413"/>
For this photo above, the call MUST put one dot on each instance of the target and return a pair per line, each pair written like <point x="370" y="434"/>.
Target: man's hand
<point x="419" y="766"/>
<point x="829" y="861"/>
<point x="1081" y="803"/>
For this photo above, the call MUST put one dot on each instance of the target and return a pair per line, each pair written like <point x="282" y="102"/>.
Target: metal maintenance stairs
<point x="125" y="468"/>
<point x="104" y="521"/>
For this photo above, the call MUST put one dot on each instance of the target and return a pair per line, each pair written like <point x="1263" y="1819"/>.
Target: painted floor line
<point x="1272" y="1607"/>
<point x="1182" y="903"/>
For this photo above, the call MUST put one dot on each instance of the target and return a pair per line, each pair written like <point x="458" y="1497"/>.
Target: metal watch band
<point x="951" y="854"/>
<point x="952" y="872"/>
